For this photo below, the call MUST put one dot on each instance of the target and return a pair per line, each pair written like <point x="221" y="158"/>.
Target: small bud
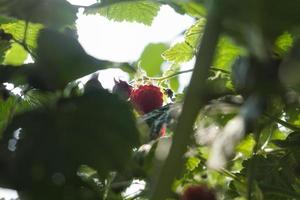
<point x="122" y="88"/>
<point x="93" y="84"/>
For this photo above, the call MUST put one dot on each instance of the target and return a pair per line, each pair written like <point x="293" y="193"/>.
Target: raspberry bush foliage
<point x="232" y="133"/>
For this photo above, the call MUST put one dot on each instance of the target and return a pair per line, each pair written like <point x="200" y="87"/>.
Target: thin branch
<point x="170" y="76"/>
<point x="195" y="99"/>
<point x="252" y="166"/>
<point x="25" y="32"/>
<point x="283" y="123"/>
<point x="221" y="70"/>
<point x="230" y="175"/>
<point x="182" y="72"/>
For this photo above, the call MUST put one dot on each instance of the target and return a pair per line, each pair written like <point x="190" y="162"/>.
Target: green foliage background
<point x="235" y="128"/>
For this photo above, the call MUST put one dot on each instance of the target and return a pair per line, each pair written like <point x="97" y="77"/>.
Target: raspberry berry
<point x="147" y="98"/>
<point x="122" y="88"/>
<point x="198" y="192"/>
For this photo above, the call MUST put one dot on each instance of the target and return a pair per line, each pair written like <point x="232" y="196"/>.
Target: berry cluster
<point x="147" y="98"/>
<point x="144" y="98"/>
<point x="198" y="192"/>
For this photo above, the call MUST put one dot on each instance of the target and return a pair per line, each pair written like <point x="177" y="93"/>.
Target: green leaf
<point x="192" y="8"/>
<point x="53" y="13"/>
<point x="192" y="163"/>
<point x="4" y="46"/>
<point x="292" y="141"/>
<point x="79" y="130"/>
<point x="194" y="33"/>
<point x="141" y="11"/>
<point x="180" y="52"/>
<point x="259" y="20"/>
<point x="275" y="172"/>
<point x="151" y="59"/>
<point x="226" y="53"/>
<point x="6" y="108"/>
<point x="283" y="43"/>
<point x="17" y="29"/>
<point x="184" y="51"/>
<point x="246" y="146"/>
<point x="16" y="55"/>
<point x="6" y="20"/>
<point x="60" y="60"/>
<point x="174" y="83"/>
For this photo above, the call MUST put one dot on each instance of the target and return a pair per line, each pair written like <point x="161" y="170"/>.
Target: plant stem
<point x="252" y="165"/>
<point x="183" y="72"/>
<point x="25" y="32"/>
<point x="231" y="175"/>
<point x="195" y="99"/>
<point x="170" y="76"/>
<point x="221" y="70"/>
<point x="283" y="123"/>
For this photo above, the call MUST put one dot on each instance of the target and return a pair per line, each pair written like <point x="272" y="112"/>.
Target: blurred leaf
<point x="62" y="59"/>
<point x="4" y="46"/>
<point x="16" y="55"/>
<point x="6" y="108"/>
<point x="226" y="53"/>
<point x="141" y="11"/>
<point x="274" y="170"/>
<point x="192" y="8"/>
<point x="5" y="20"/>
<point x="266" y="20"/>
<point x="131" y="70"/>
<point x="91" y="178"/>
<point x="53" y="13"/>
<point x="246" y="146"/>
<point x="80" y="130"/>
<point x="151" y="59"/>
<point x="192" y="163"/>
<point x="283" y="43"/>
<point x="174" y="84"/>
<point x="292" y="141"/>
<point x="180" y="52"/>
<point x="17" y="29"/>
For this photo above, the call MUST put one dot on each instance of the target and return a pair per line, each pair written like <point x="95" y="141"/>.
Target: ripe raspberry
<point x="123" y="89"/>
<point x="198" y="192"/>
<point x="147" y="98"/>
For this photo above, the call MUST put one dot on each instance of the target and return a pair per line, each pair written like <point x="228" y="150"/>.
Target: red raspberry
<point x="122" y="88"/>
<point x="147" y="98"/>
<point x="163" y="131"/>
<point x="198" y="192"/>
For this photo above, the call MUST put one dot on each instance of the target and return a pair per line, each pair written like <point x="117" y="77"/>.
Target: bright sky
<point x="123" y="42"/>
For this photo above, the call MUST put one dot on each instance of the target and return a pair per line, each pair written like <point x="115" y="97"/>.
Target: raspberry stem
<point x="183" y="72"/>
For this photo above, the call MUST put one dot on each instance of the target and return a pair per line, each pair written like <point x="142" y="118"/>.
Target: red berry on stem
<point x="198" y="192"/>
<point x="122" y="88"/>
<point x="147" y="98"/>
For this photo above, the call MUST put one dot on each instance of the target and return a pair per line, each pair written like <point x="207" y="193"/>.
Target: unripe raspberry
<point x="198" y="192"/>
<point x="147" y="98"/>
<point x="123" y="89"/>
